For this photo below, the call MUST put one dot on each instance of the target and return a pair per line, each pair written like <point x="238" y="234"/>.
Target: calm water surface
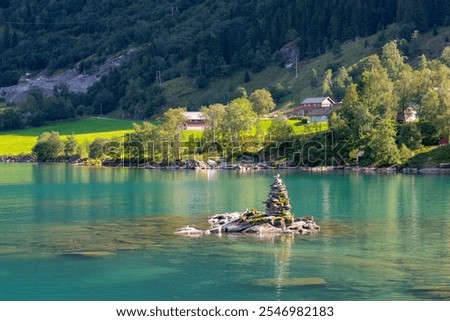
<point x="383" y="237"/>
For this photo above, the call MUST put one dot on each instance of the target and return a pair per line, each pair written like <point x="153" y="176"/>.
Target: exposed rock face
<point x="76" y="82"/>
<point x="277" y="218"/>
<point x="290" y="53"/>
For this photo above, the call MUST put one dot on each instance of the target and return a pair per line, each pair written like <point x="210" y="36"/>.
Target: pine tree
<point x="247" y="77"/>
<point x="327" y="83"/>
<point x="6" y="37"/>
<point x="392" y="60"/>
<point x="14" y="39"/>
<point x="314" y="83"/>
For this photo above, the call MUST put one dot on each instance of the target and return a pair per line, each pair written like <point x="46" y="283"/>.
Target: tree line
<point x="378" y="92"/>
<point x="227" y="125"/>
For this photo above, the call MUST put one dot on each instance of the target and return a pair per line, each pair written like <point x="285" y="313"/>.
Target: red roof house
<point x="314" y="107"/>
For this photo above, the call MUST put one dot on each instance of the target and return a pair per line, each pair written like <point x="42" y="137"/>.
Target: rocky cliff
<point x="75" y="81"/>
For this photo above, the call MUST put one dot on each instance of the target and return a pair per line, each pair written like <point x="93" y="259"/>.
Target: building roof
<point x="316" y="100"/>
<point x="301" y="108"/>
<point x="194" y="115"/>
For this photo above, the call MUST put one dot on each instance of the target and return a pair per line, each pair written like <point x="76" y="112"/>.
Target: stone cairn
<point x="277" y="203"/>
<point x="276" y="219"/>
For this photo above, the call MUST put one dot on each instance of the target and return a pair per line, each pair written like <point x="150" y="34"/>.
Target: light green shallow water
<point x="383" y="237"/>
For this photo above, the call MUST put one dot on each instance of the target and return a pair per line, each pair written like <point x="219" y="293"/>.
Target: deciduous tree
<point x="280" y="129"/>
<point x="214" y="115"/>
<point x="98" y="148"/>
<point x="377" y="93"/>
<point x="173" y="122"/>
<point x="70" y="145"/>
<point x="381" y="148"/>
<point x="239" y="118"/>
<point x="10" y="119"/>
<point x="262" y="101"/>
<point x="49" y="146"/>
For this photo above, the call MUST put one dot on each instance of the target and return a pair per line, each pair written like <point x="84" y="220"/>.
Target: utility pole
<point x="158" y="77"/>
<point x="174" y="10"/>
<point x="296" y="66"/>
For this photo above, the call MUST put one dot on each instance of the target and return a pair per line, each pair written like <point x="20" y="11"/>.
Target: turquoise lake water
<point x="383" y="236"/>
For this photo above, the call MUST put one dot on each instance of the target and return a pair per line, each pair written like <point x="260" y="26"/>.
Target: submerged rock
<point x="90" y="254"/>
<point x="277" y="219"/>
<point x="289" y="282"/>
<point x="6" y="250"/>
<point x="189" y="230"/>
<point x="433" y="292"/>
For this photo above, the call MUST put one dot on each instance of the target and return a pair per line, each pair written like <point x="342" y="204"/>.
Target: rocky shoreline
<point x="277" y="218"/>
<point x="17" y="159"/>
<point x="191" y="164"/>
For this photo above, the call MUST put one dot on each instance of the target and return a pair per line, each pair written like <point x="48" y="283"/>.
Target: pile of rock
<point x="277" y="203"/>
<point x="277" y="218"/>
<point x="198" y="164"/>
<point x="256" y="222"/>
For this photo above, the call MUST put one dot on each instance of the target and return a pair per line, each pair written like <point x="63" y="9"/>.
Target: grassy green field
<point x="21" y="142"/>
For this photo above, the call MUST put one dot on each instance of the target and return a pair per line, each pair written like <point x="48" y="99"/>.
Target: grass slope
<point x="184" y="92"/>
<point x="430" y="156"/>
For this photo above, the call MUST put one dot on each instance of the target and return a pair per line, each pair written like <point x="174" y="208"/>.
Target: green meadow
<point x="21" y="142"/>
<point x="299" y="128"/>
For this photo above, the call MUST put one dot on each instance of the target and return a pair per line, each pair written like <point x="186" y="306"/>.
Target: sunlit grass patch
<point x="430" y="155"/>
<point x="20" y="142"/>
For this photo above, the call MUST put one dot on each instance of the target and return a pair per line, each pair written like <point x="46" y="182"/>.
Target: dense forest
<point x="199" y="39"/>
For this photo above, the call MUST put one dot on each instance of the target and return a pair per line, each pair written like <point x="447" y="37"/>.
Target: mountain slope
<point x="197" y="40"/>
<point x="298" y="83"/>
<point x="207" y="37"/>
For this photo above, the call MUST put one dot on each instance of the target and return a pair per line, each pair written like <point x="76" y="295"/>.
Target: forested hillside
<point x="211" y="35"/>
<point x="198" y="39"/>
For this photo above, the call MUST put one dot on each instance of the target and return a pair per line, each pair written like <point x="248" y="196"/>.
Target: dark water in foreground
<point x="383" y="237"/>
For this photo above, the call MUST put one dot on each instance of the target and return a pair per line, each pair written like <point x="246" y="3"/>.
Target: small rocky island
<point x="276" y="219"/>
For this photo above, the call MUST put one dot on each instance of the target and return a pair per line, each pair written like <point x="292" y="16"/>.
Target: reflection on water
<point x="92" y="233"/>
